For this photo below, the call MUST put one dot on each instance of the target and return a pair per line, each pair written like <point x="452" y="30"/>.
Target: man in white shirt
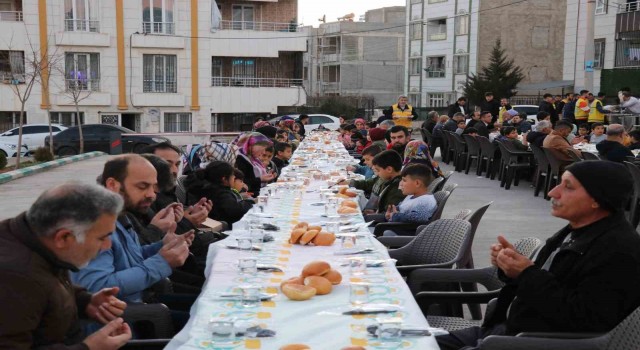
<point x="629" y="102"/>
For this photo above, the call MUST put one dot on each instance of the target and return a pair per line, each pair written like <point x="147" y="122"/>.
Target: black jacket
<point x="483" y="130"/>
<point x="548" y="107"/>
<point x="536" y="138"/>
<point x="455" y="108"/>
<point x="451" y="125"/>
<point x="613" y="151"/>
<point x="254" y="183"/>
<point x="492" y="106"/>
<point x="592" y="284"/>
<point x="226" y="206"/>
<point x="280" y="164"/>
<point x="429" y="125"/>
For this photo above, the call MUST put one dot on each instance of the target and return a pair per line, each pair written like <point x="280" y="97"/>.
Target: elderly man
<point x="430" y="123"/>
<point x="402" y="113"/>
<point x="543" y="128"/>
<point x="612" y="148"/>
<point x="62" y="231"/>
<point x="587" y="276"/>
<point x="557" y="142"/>
<point x="452" y="124"/>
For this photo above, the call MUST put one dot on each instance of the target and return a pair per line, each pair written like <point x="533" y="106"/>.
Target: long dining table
<point x="320" y="322"/>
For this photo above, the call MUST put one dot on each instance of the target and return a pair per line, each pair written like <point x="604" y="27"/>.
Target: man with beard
<point x="127" y="264"/>
<point x="399" y="137"/>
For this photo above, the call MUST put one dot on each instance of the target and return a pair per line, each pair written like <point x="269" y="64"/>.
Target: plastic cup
<point x="358" y="294"/>
<point x="250" y="295"/>
<point x="248" y="266"/>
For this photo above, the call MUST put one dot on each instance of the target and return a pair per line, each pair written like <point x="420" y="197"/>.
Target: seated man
<point x="612" y="148"/>
<point x="543" y="128"/>
<point x="64" y="229"/>
<point x="127" y="264"/>
<point x="557" y="141"/>
<point x="587" y="276"/>
<point x="519" y="121"/>
<point x="418" y="205"/>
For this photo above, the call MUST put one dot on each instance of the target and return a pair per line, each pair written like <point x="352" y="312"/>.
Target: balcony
<point x="11" y="16"/>
<point x="81" y="25"/>
<point x="255" y="82"/>
<point x="259" y="26"/>
<point x="628" y="17"/>
<point x="168" y="28"/>
<point x="82" y="84"/>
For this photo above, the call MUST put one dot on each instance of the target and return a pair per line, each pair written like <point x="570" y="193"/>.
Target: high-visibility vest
<point x="404" y="117"/>
<point x="578" y="112"/>
<point x="594" y="114"/>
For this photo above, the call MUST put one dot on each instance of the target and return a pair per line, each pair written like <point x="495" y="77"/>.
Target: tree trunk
<point x="19" y="149"/>
<point x="79" y="121"/>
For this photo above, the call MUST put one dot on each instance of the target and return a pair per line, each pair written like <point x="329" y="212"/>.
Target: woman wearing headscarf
<point x="251" y="147"/>
<point x="361" y="126"/>
<point x="418" y="152"/>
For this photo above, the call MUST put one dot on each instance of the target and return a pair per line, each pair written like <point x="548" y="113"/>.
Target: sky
<point x="311" y="10"/>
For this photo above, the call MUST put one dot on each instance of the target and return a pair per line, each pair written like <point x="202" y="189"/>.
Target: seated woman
<point x="419" y="205"/>
<point x="251" y="147"/>
<point x="215" y="182"/>
<point x="417" y="151"/>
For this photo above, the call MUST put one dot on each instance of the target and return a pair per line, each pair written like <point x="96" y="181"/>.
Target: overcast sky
<point x="311" y="10"/>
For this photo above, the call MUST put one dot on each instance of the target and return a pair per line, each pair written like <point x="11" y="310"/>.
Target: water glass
<point x="333" y="201"/>
<point x="263" y="201"/>
<point x="250" y="295"/>
<point x="248" y="266"/>
<point x="330" y="210"/>
<point x="256" y="236"/>
<point x="333" y="227"/>
<point x="357" y="266"/>
<point x="222" y="330"/>
<point x="348" y="241"/>
<point x="244" y="243"/>
<point x="389" y="329"/>
<point x="358" y="294"/>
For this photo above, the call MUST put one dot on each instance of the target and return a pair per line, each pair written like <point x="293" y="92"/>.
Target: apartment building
<point x="617" y="45"/>
<point x="442" y="45"/>
<point x="154" y="66"/>
<point x="358" y="58"/>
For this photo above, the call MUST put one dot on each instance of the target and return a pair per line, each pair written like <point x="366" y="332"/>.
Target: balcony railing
<point x="259" y="26"/>
<point x="629" y="7"/>
<point x="81" y="25"/>
<point x="10" y="16"/>
<point x="255" y="82"/>
<point x="82" y="84"/>
<point x="435" y="73"/>
<point x="159" y="27"/>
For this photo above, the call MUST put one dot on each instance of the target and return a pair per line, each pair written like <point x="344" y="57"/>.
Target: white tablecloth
<point x="317" y="322"/>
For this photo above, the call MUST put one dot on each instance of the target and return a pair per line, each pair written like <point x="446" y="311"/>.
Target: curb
<point x="20" y="173"/>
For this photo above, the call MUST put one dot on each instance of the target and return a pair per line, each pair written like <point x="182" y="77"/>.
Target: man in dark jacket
<point x="62" y="231"/>
<point x="568" y="111"/>
<point x="547" y="106"/>
<point x="430" y="123"/>
<point x="484" y="124"/>
<point x="452" y="124"/>
<point x="612" y="148"/>
<point x="302" y="120"/>
<point x="543" y="128"/>
<point x="459" y="107"/>
<point x="491" y="105"/>
<point x="587" y="276"/>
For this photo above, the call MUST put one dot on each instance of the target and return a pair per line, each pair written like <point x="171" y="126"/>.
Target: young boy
<point x="282" y="136"/>
<point x="462" y="124"/>
<point x="583" y="131"/>
<point x="419" y="205"/>
<point x="239" y="188"/>
<point x="510" y="134"/>
<point x="283" y="154"/>
<point x="387" y="166"/>
<point x="598" y="134"/>
<point x="367" y="157"/>
<point x="266" y="159"/>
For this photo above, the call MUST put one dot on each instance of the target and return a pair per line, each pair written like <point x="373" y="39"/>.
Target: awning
<point x="546" y="85"/>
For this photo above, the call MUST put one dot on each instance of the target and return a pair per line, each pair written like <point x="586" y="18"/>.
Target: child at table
<point x="598" y="134"/>
<point x="418" y="205"/>
<point x="584" y="131"/>
<point x="510" y="134"/>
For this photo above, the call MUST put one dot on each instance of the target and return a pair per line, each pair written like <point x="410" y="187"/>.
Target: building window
<point x="414" y="100"/>
<point x="628" y="49"/>
<point x="12" y="66"/>
<point x="415" y="66"/>
<point x="436" y="100"/>
<point x="82" y="71"/>
<point x="159" y="73"/>
<point x="415" y="31"/>
<point x="216" y="71"/>
<point x="416" y="11"/>
<point x="435" y="67"/>
<point x="157" y="16"/>
<point x="177" y="122"/>
<point x="462" y="23"/>
<point x="10" y="120"/>
<point x="598" y="59"/>
<point x="243" y="69"/>
<point x="66" y="118"/>
<point x="242" y="17"/>
<point x="461" y="64"/>
<point x="81" y="16"/>
<point x="437" y="29"/>
<point x="601" y="7"/>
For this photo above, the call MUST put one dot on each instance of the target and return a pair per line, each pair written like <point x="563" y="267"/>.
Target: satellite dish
<point x="323" y="19"/>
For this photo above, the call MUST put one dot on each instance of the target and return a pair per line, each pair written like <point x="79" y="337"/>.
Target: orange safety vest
<point x="401" y="117"/>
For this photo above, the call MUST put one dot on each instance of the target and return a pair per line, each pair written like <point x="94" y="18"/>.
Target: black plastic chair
<point x="405" y="227"/>
<point x="450" y="187"/>
<point x="435" y="184"/>
<point x="590" y="156"/>
<point x="624" y="336"/>
<point x="556" y="167"/>
<point x="473" y="153"/>
<point x="445" y="152"/>
<point x="488" y="156"/>
<point x="511" y="163"/>
<point x="446" y="178"/>
<point x="460" y="148"/>
<point x="542" y="170"/>
<point x="152" y="322"/>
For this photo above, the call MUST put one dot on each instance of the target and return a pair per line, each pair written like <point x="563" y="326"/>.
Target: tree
<point x="501" y="77"/>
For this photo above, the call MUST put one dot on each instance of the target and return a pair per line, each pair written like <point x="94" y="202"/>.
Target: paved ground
<point x="515" y="213"/>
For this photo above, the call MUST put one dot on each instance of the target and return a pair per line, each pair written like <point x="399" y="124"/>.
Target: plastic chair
<point x="446" y="177"/>
<point x="434" y="184"/>
<point x="405" y="227"/>
<point x="590" y="156"/>
<point x="450" y="187"/>
<point x="473" y="153"/>
<point x="460" y="148"/>
<point x="444" y="149"/>
<point x="556" y="167"/>
<point x="574" y="157"/>
<point x="488" y="156"/>
<point x="511" y="163"/>
<point x="542" y="170"/>
<point x="462" y="214"/>
<point x="624" y="336"/>
<point x="152" y="322"/>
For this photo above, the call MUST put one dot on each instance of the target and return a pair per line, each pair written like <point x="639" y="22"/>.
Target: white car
<point x="9" y="149"/>
<point x="315" y="120"/>
<point x="33" y="135"/>
<point x="531" y="110"/>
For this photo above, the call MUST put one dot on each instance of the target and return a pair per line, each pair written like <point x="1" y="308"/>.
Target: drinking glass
<point x="222" y="330"/>
<point x="244" y="243"/>
<point x="348" y="241"/>
<point x="358" y="294"/>
<point x="248" y="266"/>
<point x="333" y="226"/>
<point x="250" y="295"/>
<point x="256" y="236"/>
<point x="357" y="266"/>
<point x="389" y="329"/>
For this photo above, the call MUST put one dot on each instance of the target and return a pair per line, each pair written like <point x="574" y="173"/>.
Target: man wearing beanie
<point x="587" y="276"/>
<point x="377" y="137"/>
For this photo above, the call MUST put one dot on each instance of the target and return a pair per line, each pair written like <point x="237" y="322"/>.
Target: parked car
<point x="33" y="135"/>
<point x="328" y="121"/>
<point x="97" y="138"/>
<point x="9" y="149"/>
<point x="531" y="110"/>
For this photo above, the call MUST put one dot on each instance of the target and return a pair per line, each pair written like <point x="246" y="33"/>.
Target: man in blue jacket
<point x="129" y="265"/>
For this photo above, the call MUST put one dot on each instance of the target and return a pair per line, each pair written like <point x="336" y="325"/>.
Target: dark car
<point x="97" y="138"/>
